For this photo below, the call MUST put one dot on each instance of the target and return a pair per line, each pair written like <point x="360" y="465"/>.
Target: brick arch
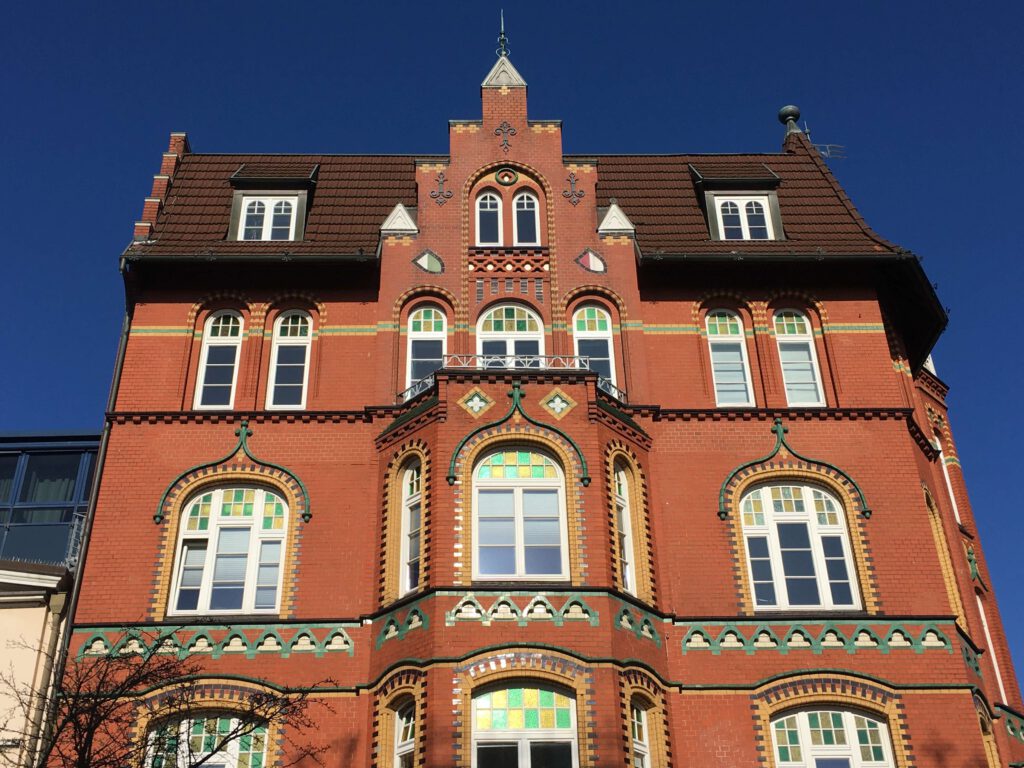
<point x="285" y="297"/>
<point x="523" y="667"/>
<point x="796" y="300"/>
<point x="423" y="291"/>
<point x="522" y="435"/>
<point x="585" y="292"/>
<point x="240" y="299"/>
<point x="391" y="525"/>
<point x="618" y="451"/>
<point x="406" y="683"/>
<point x="843" y="690"/>
<point x="637" y="684"/>
<point x="789" y="469"/>
<point x="719" y="300"/>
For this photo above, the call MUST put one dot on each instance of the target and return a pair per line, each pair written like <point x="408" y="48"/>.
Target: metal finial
<point x="788" y="116"/>
<point x="502" y="39"/>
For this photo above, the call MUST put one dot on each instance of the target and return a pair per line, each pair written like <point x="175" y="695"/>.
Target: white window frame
<point x="741" y="203"/>
<point x="624" y="527"/>
<point x="424" y="336"/>
<point x="225" y="758"/>
<point x="641" y="757"/>
<point x="517" y="486"/>
<point x="411" y="498"/>
<point x="509" y="337"/>
<point x="522" y="738"/>
<point x="269" y="203"/>
<point x="257" y="537"/>
<point x="799" y="338"/>
<point x="810" y="753"/>
<point x="291" y="341"/>
<point x="601" y="335"/>
<point x="501" y="224"/>
<point x="204" y="354"/>
<point x="718" y="340"/>
<point x="516" y="240"/>
<point x="815" y="532"/>
<point x="404" y="719"/>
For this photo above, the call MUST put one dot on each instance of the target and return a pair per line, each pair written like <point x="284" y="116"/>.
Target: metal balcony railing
<point x="513" y="362"/>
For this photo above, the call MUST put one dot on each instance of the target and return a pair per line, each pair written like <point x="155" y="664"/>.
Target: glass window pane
<point x="498" y="531"/>
<point x="291" y="355"/>
<point x="540" y="503"/>
<point x="497" y="756"/>
<point x="526" y="226"/>
<point x="221" y="354"/>
<point x="551" y="755"/>
<point x="543" y="561"/>
<point x="542" y="533"/>
<point x="226" y="598"/>
<point x="496" y="503"/>
<point x="43" y="543"/>
<point x="50" y="477"/>
<point x="7" y="466"/>
<point x="497" y="561"/>
<point x="488" y="234"/>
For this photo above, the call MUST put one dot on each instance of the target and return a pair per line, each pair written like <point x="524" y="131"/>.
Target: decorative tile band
<point x="1013" y="722"/>
<point x="522" y="612"/>
<point x="783" y="637"/>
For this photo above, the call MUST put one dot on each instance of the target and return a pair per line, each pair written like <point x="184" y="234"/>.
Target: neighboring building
<point x="45" y="482"/>
<point x="547" y="460"/>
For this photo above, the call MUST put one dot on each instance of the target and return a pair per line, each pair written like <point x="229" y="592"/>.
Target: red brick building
<point x="547" y="460"/>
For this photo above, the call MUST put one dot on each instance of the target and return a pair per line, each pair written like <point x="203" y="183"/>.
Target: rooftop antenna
<point x="789" y="115"/>
<point x="827" y="151"/>
<point x="502" y="40"/>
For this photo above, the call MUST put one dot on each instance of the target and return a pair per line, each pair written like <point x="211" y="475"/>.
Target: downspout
<point x="62" y="657"/>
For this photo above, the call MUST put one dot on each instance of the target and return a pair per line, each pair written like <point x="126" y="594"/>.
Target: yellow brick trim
<point x="854" y="527"/>
<point x="227" y="477"/>
<point x="400" y="686"/>
<point x="652" y="701"/>
<point x="945" y="561"/>
<point x="639" y="520"/>
<point x="393" y="496"/>
<point x="572" y="513"/>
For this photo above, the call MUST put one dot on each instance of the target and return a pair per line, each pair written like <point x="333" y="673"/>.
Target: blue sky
<point x="926" y="97"/>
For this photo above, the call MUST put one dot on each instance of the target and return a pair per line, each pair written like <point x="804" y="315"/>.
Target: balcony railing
<point x="513" y="362"/>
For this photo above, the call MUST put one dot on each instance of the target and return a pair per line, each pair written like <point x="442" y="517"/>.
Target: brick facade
<point x="713" y="670"/>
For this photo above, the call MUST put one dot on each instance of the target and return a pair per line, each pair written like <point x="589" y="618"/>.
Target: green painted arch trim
<point x="242" y="433"/>
<point x="516" y="394"/>
<point x="780" y="443"/>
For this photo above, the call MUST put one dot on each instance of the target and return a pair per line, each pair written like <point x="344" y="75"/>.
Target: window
<point x="218" y="365"/>
<point x="215" y="741"/>
<point x="639" y="731"/>
<point x="798" y="358"/>
<point x="428" y="338"/>
<point x="526" y="224"/>
<point x="797" y="548"/>
<point x="524" y="728"/>
<point x="267" y="218"/>
<point x="510" y="336"/>
<point x="229" y="553"/>
<point x="405" y="736"/>
<point x="744" y="218"/>
<point x="488" y="219"/>
<point x="729" y="367"/>
<point x="624" y="529"/>
<point x="831" y="739"/>
<point x="412" y="522"/>
<point x="289" y="366"/>
<point x="43" y="500"/>
<point x="519" y="529"/>
<point x="592" y="334"/>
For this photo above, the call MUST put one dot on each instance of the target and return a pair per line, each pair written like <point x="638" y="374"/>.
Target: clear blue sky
<point x="926" y="96"/>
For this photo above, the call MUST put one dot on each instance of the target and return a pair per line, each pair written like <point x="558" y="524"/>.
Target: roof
<point x="352" y="196"/>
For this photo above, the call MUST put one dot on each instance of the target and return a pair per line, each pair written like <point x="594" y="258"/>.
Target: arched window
<point x="624" y="528"/>
<point x="729" y="367"/>
<point x="218" y="360"/>
<point x="510" y="336"/>
<point x="639" y="728"/>
<point x="519" y="525"/>
<point x="229" y="552"/>
<point x="527" y="727"/>
<point x="526" y="224"/>
<point x="831" y="738"/>
<point x="428" y="337"/>
<point x="289" y="361"/>
<point x="405" y="734"/>
<point x="488" y="219"/>
<point x="798" y="548"/>
<point x="798" y="358"/>
<point x="215" y="740"/>
<point x="743" y="218"/>
<point x="412" y="523"/>
<point x="592" y="334"/>
<point x="279" y="225"/>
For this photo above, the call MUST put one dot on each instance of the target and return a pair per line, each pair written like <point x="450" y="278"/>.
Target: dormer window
<point x="268" y="218"/>
<point x="527" y="229"/>
<point x="488" y="219"/>
<point x="743" y="218"/>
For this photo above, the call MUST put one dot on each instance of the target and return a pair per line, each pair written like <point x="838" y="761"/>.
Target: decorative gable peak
<point x="399" y="222"/>
<point x="503" y="75"/>
<point x="616" y="222"/>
